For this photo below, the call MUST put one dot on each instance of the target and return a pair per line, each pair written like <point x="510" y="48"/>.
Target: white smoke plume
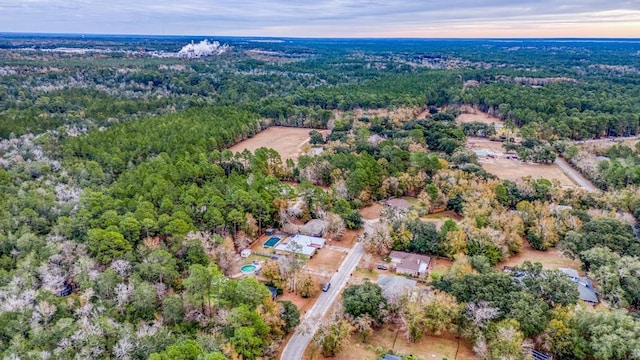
<point x="203" y="48"/>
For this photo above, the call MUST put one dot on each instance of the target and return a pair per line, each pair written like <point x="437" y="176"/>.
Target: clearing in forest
<point x="470" y="114"/>
<point x="551" y="259"/>
<point x="494" y="160"/>
<point x="287" y="141"/>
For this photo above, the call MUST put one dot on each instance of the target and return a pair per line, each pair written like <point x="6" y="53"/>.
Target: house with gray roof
<point x="394" y="287"/>
<point x="411" y="264"/>
<point x="586" y="290"/>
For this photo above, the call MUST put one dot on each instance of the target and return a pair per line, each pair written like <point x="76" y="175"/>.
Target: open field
<point x="388" y="337"/>
<point x="469" y="114"/>
<point x="513" y="169"/>
<point x="400" y="114"/>
<point x="550" y="259"/>
<point x="287" y="141"/>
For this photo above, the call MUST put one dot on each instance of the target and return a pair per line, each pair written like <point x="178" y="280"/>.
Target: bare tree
<point x="335" y="226"/>
<point x="377" y="239"/>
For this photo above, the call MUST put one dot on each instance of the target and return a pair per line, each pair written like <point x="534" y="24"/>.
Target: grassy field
<point x="287" y="141"/>
<point x="513" y="169"/>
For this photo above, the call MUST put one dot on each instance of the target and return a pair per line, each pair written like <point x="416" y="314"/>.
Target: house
<point x="300" y="244"/>
<point x="394" y="287"/>
<point x="586" y="291"/>
<point x="411" y="264"/>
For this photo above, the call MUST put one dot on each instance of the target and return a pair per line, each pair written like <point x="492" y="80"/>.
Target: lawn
<point x="550" y="259"/>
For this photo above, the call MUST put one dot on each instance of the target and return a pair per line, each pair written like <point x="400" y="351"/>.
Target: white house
<point x="300" y="244"/>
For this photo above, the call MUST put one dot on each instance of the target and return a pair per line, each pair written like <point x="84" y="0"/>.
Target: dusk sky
<point x="327" y="18"/>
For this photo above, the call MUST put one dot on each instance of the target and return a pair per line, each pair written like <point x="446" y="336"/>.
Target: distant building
<point x="300" y="244"/>
<point x="411" y="264"/>
<point x="586" y="290"/>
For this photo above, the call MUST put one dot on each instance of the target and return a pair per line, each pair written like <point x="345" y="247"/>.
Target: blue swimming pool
<point x="248" y="269"/>
<point x="272" y="242"/>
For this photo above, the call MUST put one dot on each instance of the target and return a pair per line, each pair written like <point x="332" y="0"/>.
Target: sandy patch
<point x="347" y="240"/>
<point x="371" y="212"/>
<point x="325" y="262"/>
<point x="287" y="141"/>
<point x="469" y="114"/>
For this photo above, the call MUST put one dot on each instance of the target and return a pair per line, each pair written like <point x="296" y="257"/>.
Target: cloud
<point x="324" y="18"/>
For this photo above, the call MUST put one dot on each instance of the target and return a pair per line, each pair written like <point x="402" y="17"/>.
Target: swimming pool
<point x="272" y="242"/>
<point x="248" y="269"/>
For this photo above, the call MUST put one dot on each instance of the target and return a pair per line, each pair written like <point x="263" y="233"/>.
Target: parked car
<point x="382" y="267"/>
<point x="326" y="287"/>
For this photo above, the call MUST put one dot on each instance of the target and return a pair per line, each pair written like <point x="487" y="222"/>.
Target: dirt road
<point x="575" y="175"/>
<point x="300" y="340"/>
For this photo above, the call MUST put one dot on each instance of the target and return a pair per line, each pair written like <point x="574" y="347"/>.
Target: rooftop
<point x="301" y="244"/>
<point x="410" y="261"/>
<point x="585" y="288"/>
<point x="395" y="286"/>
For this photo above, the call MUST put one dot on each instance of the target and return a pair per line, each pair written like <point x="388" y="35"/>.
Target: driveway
<point x="575" y="175"/>
<point x="302" y="337"/>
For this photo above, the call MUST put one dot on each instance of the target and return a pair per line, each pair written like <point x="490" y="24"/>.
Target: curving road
<point x="300" y="340"/>
<point x="575" y="175"/>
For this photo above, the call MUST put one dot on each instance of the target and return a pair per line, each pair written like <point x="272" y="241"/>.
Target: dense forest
<point x="122" y="209"/>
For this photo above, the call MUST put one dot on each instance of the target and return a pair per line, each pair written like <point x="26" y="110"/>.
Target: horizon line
<point x="4" y="33"/>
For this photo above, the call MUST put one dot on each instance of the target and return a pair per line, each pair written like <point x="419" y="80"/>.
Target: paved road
<point x="301" y="338"/>
<point x="575" y="175"/>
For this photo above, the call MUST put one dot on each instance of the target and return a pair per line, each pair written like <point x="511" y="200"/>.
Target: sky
<point x="327" y="18"/>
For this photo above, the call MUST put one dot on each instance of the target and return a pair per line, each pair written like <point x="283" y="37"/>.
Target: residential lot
<point x="513" y="169"/>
